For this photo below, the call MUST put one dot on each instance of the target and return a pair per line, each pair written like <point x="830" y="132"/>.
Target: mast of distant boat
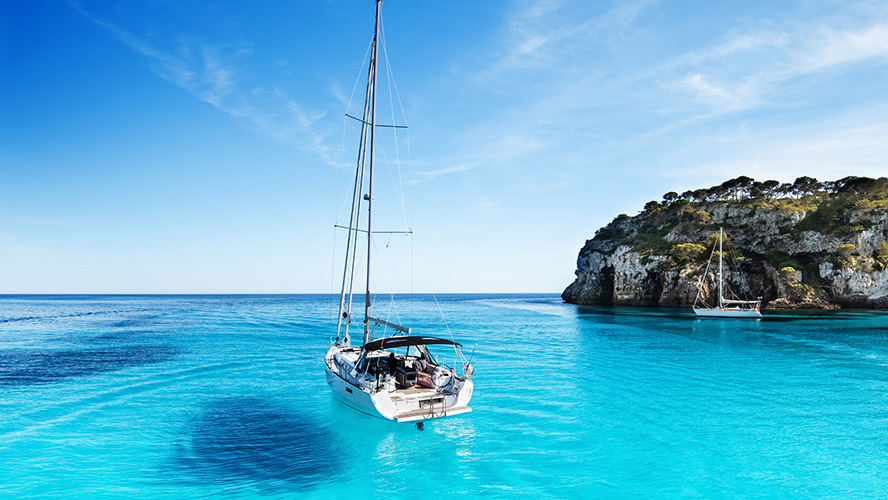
<point x="721" y="297"/>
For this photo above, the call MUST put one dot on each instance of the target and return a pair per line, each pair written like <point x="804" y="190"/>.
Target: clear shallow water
<point x="224" y="396"/>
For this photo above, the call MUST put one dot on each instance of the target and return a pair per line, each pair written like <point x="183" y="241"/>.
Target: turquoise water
<point x="225" y="396"/>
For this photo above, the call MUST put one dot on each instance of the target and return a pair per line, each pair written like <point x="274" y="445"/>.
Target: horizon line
<point x="167" y="294"/>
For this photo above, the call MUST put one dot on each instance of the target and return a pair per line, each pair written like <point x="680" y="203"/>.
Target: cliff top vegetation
<point x="805" y="194"/>
<point x="831" y="207"/>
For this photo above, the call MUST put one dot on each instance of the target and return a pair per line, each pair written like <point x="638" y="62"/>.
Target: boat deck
<point x="414" y="392"/>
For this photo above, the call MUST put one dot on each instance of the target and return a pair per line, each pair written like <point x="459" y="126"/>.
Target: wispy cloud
<point x="622" y="91"/>
<point x="852" y="143"/>
<point x="744" y="70"/>
<point x="215" y="74"/>
<point x="447" y="170"/>
<point x="550" y="35"/>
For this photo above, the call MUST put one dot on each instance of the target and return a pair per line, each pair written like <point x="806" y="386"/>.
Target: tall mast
<point x="373" y="62"/>
<point x="720" y="278"/>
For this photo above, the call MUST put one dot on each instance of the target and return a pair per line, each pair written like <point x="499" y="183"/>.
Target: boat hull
<point x="410" y="405"/>
<point x="359" y="399"/>
<point x="727" y="313"/>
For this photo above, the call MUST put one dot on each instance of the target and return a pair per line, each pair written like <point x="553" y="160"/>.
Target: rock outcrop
<point x="821" y="250"/>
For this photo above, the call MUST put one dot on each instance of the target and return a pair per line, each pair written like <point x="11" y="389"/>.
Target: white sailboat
<point x="726" y="307"/>
<point x="394" y="377"/>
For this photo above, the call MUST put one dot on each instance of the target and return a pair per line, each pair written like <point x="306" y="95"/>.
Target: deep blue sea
<point x="225" y="397"/>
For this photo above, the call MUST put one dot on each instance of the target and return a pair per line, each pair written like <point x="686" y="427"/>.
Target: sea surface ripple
<point x="224" y="396"/>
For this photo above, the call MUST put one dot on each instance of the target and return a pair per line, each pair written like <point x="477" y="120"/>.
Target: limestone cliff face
<point x="791" y="257"/>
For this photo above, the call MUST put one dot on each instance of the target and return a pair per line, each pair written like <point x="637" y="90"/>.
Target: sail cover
<point x="405" y="341"/>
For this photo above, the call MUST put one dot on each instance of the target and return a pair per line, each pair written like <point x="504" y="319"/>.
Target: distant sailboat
<point x="725" y="308"/>
<point x="397" y="377"/>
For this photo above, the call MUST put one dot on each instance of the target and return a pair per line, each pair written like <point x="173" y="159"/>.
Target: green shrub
<point x="846" y="250"/>
<point x="702" y="217"/>
<point x="805" y="292"/>
<point x="683" y="252"/>
<point x="779" y="260"/>
<point x="790" y="275"/>
<point x="867" y="204"/>
<point x="712" y="241"/>
<point x="881" y="256"/>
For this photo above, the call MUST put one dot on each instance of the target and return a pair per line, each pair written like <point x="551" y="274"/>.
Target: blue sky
<point x="201" y="147"/>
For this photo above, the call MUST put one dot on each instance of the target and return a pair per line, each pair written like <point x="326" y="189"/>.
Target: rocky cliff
<point x="805" y="245"/>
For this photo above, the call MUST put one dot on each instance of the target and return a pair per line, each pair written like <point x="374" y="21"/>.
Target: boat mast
<point x="369" y="197"/>
<point x="720" y="278"/>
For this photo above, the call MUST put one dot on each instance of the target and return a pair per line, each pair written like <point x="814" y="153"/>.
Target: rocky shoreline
<point x="817" y="251"/>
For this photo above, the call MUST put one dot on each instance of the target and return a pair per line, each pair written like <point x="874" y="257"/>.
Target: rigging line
<point x="727" y="271"/>
<point x="347" y="107"/>
<point x="333" y="266"/>
<point x="442" y="317"/>
<point x="348" y="273"/>
<point x="732" y="253"/>
<point x="358" y="79"/>
<point x="375" y="294"/>
<point x="372" y="82"/>
<point x="390" y="79"/>
<point x="351" y="243"/>
<point x="349" y="103"/>
<point x="374" y="232"/>
<point x="743" y="281"/>
<point x="337" y="217"/>
<point x="456" y="350"/>
<point x="397" y="279"/>
<point x="359" y="187"/>
<point x="397" y="183"/>
<point x="703" y="277"/>
<point x="345" y="200"/>
<point x="397" y="94"/>
<point x="377" y="125"/>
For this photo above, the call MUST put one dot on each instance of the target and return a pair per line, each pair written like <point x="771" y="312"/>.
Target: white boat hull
<point x="351" y="395"/>
<point x="727" y="313"/>
<point x="401" y="405"/>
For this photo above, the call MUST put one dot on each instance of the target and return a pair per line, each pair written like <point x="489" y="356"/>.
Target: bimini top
<point x="405" y="341"/>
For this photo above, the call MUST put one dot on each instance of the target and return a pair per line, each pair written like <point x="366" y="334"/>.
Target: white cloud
<point x="447" y="170"/>
<point x="698" y="83"/>
<point x="852" y="144"/>
<point x="743" y="71"/>
<point x="829" y="47"/>
<point x="215" y="75"/>
<point x="546" y="33"/>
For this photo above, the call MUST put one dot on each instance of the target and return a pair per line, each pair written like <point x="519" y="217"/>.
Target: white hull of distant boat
<point x="728" y="313"/>
<point x="394" y="378"/>
<point x="726" y="308"/>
